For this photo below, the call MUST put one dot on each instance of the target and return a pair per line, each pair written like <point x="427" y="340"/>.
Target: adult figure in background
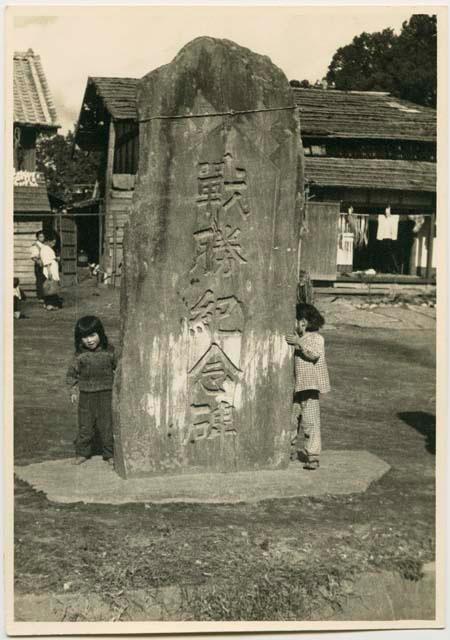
<point x="51" y="285"/>
<point x="35" y="252"/>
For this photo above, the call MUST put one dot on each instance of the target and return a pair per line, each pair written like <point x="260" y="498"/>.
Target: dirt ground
<point x="273" y="560"/>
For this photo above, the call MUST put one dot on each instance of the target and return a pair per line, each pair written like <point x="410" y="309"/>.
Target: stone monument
<point x="210" y="268"/>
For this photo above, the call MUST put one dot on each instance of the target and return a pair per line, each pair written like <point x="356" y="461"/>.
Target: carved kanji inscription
<point x="218" y="314"/>
<point x="218" y="251"/>
<point x="209" y="423"/>
<point x="221" y="186"/>
<point x="213" y="370"/>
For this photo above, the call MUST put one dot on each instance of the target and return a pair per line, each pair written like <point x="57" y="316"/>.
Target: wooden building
<point x="364" y="152"/>
<point x="34" y="115"/>
<point x="367" y="152"/>
<point x="107" y="123"/>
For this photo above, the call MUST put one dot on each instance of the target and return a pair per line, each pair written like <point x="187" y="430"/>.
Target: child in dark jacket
<point x="90" y="376"/>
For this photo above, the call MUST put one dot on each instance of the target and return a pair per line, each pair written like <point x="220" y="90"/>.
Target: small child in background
<point x="90" y="377"/>
<point x="311" y="378"/>
<point x="18" y="296"/>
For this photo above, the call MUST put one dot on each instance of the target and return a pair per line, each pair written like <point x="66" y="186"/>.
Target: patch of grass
<point x="409" y="568"/>
<point x="280" y="593"/>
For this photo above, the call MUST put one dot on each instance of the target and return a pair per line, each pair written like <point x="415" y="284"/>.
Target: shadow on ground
<point x="425" y="424"/>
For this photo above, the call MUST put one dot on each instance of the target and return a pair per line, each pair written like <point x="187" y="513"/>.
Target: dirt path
<point x="382" y="401"/>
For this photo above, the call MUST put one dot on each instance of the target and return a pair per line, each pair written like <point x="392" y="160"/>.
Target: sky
<point x="83" y="41"/>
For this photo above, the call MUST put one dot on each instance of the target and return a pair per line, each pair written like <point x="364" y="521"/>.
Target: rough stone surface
<point x="340" y="472"/>
<point x="210" y="263"/>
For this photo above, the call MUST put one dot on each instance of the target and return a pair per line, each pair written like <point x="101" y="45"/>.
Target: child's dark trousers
<point x="40" y="279"/>
<point x="94" y="410"/>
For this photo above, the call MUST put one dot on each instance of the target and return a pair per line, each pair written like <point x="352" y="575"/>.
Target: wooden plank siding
<point x="318" y="247"/>
<point x="107" y="258"/>
<point x="115" y="221"/>
<point x="24" y="236"/>
<point x="67" y="230"/>
<point x="126" y="153"/>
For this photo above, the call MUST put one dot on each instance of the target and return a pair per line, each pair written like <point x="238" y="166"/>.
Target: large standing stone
<point x="210" y="267"/>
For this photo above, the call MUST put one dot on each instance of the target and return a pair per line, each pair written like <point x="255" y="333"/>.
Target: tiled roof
<point x="104" y="97"/>
<point x="33" y="103"/>
<point x="371" y="174"/>
<point x="32" y="199"/>
<point x="369" y="115"/>
<point x="330" y="113"/>
<point x="119" y="96"/>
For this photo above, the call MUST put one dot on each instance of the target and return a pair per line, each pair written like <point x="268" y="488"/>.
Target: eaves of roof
<point x="31" y="200"/>
<point x="118" y="95"/>
<point x="396" y="175"/>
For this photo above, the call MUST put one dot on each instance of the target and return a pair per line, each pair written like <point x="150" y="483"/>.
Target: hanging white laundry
<point x="387" y="227"/>
<point x="418" y="220"/>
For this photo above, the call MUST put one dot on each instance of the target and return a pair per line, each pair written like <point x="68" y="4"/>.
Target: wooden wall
<point x="319" y="241"/>
<point x="67" y="230"/>
<point x="25" y="148"/>
<point x="118" y="196"/>
<point x="116" y="217"/>
<point x="126" y="150"/>
<point x="24" y="236"/>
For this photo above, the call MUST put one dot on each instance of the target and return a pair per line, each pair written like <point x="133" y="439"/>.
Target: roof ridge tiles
<point x="33" y="103"/>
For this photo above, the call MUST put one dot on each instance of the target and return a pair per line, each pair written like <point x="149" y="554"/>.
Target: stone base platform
<point x="340" y="472"/>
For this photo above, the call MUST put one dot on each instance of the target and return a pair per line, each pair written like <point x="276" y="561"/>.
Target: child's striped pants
<point x="309" y="422"/>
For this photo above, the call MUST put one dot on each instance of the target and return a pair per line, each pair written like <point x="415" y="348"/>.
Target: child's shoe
<point x="302" y="456"/>
<point x="311" y="465"/>
<point x="79" y="460"/>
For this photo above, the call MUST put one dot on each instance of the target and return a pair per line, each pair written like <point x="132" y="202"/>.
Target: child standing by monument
<point x="90" y="377"/>
<point x="311" y="378"/>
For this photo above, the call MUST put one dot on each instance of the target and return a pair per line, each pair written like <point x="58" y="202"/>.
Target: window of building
<point x="126" y="153"/>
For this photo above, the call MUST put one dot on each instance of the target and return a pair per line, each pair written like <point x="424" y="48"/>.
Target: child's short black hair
<point x="86" y="326"/>
<point x="311" y="314"/>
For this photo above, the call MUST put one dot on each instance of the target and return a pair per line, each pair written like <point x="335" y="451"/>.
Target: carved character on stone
<point x="210" y="188"/>
<point x="213" y="370"/>
<point x="221" y="185"/>
<point x="218" y="314"/>
<point x="218" y="251"/>
<point x="208" y="423"/>
<point x="235" y="185"/>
